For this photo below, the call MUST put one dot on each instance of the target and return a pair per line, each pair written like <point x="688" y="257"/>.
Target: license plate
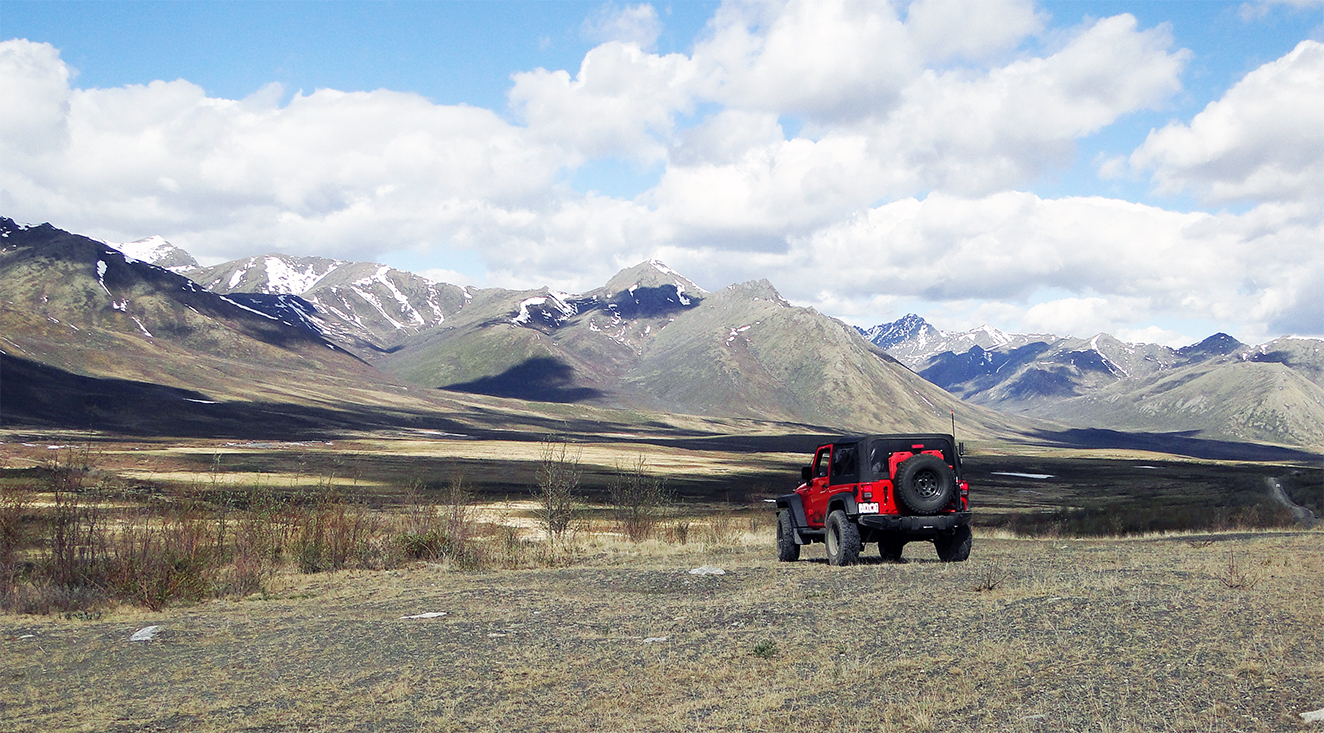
<point x="868" y="508"/>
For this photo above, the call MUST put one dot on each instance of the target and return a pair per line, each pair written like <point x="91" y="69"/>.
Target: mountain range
<point x="1218" y="388"/>
<point x="327" y="333"/>
<point x="85" y="324"/>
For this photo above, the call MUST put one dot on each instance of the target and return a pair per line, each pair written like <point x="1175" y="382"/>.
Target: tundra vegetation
<point x="281" y="576"/>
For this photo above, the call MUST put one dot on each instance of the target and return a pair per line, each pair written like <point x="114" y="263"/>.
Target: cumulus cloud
<point x="35" y="85"/>
<point x="922" y="126"/>
<point x="636" y="24"/>
<point x="1105" y="265"/>
<point x="330" y="171"/>
<point x="824" y="59"/>
<point x="944" y="29"/>
<point x="622" y="102"/>
<point x="1263" y="141"/>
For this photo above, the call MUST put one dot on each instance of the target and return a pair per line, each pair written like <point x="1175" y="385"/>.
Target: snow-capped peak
<point x="155" y="250"/>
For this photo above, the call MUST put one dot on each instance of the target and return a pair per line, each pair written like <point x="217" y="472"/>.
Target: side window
<point x="821" y="463"/>
<point x="878" y="459"/>
<point x="845" y="465"/>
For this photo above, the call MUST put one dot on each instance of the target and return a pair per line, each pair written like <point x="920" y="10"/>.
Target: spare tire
<point x="925" y="484"/>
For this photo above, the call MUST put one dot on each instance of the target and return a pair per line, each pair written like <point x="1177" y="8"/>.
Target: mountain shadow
<point x="651" y="302"/>
<point x="540" y="379"/>
<point x="34" y="395"/>
<point x="1179" y="444"/>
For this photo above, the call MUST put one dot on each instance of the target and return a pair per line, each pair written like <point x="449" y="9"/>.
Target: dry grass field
<point x="1182" y="633"/>
<point x="259" y="630"/>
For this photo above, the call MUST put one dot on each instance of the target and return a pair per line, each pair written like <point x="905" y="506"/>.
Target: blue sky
<point x="733" y="141"/>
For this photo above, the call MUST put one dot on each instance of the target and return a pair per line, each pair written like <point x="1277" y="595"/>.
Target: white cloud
<point x="35" y="87"/>
<point x="1263" y="141"/>
<point x="622" y="102"/>
<point x="905" y="187"/>
<point x="1114" y="266"/>
<point x="825" y="59"/>
<point x="637" y="24"/>
<point x="943" y="29"/>
<point x="330" y="172"/>
<point x="977" y="132"/>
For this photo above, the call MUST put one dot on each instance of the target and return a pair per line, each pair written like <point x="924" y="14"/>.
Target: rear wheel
<point x="843" y="539"/>
<point x="787" y="550"/>
<point x="954" y="547"/>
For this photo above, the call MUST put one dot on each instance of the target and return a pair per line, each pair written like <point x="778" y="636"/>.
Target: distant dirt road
<point x="1302" y="514"/>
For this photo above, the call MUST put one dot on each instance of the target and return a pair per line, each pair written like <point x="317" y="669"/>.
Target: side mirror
<point x="805" y="474"/>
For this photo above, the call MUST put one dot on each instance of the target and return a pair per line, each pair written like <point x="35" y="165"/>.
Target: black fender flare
<point x="796" y="506"/>
<point x="844" y="501"/>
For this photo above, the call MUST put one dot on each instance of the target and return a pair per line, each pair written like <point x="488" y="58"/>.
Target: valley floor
<point x="1190" y="632"/>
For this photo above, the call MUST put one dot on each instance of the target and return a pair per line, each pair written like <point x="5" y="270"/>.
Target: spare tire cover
<point x="925" y="484"/>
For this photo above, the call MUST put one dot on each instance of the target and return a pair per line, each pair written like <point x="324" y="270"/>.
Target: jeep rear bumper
<point x="915" y="525"/>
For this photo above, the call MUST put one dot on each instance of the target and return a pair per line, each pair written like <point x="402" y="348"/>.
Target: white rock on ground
<point x="430" y="614"/>
<point x="1315" y="716"/>
<point x="146" y="633"/>
<point x="706" y="570"/>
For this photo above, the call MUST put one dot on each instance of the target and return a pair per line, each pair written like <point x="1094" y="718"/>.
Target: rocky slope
<point x="360" y="305"/>
<point x="1217" y="388"/>
<point x="90" y="337"/>
<point x="652" y="339"/>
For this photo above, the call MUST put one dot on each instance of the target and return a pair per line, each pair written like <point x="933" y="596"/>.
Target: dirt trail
<point x="1302" y="514"/>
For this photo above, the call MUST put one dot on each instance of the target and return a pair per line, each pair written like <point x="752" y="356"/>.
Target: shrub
<point x="175" y="559"/>
<point x="557" y="489"/>
<point x="638" y="499"/>
<point x="332" y="535"/>
<point x="441" y="532"/>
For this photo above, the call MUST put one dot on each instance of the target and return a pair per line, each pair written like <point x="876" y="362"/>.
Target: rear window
<point x="881" y="449"/>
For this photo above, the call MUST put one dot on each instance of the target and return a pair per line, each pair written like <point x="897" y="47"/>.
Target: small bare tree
<point x="558" y="484"/>
<point x="638" y="499"/>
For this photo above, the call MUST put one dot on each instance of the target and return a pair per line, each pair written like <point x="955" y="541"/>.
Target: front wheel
<point x="843" y="539"/>
<point x="787" y="550"/>
<point x="954" y="547"/>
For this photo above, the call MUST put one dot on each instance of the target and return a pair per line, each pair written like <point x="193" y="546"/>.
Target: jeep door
<point x="816" y="496"/>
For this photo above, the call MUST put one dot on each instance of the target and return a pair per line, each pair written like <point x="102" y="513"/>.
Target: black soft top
<point x="871" y="454"/>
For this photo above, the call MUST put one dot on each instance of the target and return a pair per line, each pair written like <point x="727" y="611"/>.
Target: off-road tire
<point x="843" y="539"/>
<point x="787" y="550"/>
<point x="925" y="484"/>
<point x="954" y="547"/>
<point x="890" y="550"/>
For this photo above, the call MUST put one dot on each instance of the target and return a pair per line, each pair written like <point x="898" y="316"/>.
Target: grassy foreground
<point x="1216" y="632"/>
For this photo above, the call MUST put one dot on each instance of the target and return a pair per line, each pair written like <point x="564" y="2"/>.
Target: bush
<point x="176" y="559"/>
<point x="445" y="532"/>
<point x="334" y="535"/>
<point x="638" y="499"/>
<point x="557" y="489"/>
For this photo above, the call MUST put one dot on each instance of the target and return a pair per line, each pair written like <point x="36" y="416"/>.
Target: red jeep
<point x="889" y="489"/>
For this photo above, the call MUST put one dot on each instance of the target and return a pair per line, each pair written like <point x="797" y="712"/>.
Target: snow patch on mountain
<point x="555" y="307"/>
<point x="285" y="278"/>
<point x="155" y="250"/>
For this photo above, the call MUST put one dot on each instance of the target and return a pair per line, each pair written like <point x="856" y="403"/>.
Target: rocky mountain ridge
<point x="85" y="325"/>
<point x="649" y="339"/>
<point x="1103" y="382"/>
